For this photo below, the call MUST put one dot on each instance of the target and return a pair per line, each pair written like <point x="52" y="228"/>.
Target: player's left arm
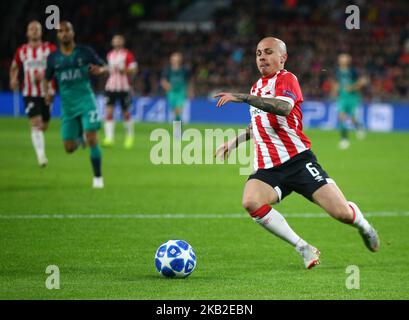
<point x="271" y="105"/>
<point x="224" y="150"/>
<point x="190" y="86"/>
<point x="14" y="70"/>
<point x="131" y="65"/>
<point x="48" y="78"/>
<point x="97" y="66"/>
<point x="359" y="83"/>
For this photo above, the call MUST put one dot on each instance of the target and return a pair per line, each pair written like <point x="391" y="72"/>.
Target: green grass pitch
<point x="112" y="258"/>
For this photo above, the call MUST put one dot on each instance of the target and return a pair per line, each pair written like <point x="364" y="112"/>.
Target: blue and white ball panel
<point x="175" y="258"/>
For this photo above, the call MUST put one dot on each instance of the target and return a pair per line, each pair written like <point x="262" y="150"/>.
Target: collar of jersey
<point x="272" y="75"/>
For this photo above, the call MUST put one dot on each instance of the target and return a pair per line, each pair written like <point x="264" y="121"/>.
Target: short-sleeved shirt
<point x="346" y="78"/>
<point x="178" y="78"/>
<point x="33" y="61"/>
<point x="277" y="138"/>
<point x="72" y="75"/>
<point x="119" y="60"/>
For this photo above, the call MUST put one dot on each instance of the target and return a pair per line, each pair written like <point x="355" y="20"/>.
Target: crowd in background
<point x="224" y="58"/>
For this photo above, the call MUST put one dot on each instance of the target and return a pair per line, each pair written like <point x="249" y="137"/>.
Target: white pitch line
<point x="178" y="216"/>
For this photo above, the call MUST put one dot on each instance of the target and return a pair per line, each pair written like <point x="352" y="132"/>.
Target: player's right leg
<point x="109" y="127"/>
<point x="257" y="198"/>
<point x="34" y="112"/>
<point x="70" y="133"/>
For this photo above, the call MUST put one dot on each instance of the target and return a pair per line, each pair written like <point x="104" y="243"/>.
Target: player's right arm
<point x="14" y="75"/>
<point x="271" y="105"/>
<point x="224" y="150"/>
<point x="164" y="81"/>
<point x="334" y="88"/>
<point x="14" y="70"/>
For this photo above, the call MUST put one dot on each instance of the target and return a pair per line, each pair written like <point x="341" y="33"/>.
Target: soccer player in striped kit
<point x="122" y="65"/>
<point x="284" y="161"/>
<point x="32" y="58"/>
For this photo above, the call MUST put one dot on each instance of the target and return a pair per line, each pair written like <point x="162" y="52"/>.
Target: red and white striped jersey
<point x="119" y="60"/>
<point x="277" y="138"/>
<point x="34" y="62"/>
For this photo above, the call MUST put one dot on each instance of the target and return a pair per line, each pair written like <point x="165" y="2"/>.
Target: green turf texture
<point x="237" y="259"/>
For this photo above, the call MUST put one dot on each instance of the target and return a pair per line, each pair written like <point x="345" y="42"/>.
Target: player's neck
<point x="34" y="43"/>
<point x="67" y="49"/>
<point x="271" y="74"/>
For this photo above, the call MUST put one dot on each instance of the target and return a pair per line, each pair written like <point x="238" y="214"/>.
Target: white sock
<point x="360" y="222"/>
<point x="109" y="128"/>
<point x="37" y="138"/>
<point x="274" y="222"/>
<point x="129" y="127"/>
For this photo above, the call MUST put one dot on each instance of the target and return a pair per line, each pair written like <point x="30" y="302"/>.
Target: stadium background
<point x="104" y="240"/>
<point x="218" y="38"/>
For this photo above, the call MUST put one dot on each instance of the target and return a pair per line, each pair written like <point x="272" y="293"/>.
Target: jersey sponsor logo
<point x="255" y="111"/>
<point x="71" y="75"/>
<point x="35" y="64"/>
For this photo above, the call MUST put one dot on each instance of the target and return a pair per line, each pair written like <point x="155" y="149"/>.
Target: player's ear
<point x="283" y="58"/>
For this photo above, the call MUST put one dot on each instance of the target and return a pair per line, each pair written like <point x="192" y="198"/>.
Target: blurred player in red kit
<point x="121" y="64"/>
<point x="32" y="59"/>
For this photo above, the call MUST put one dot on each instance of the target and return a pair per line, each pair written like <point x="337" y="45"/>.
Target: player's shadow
<point x="158" y="277"/>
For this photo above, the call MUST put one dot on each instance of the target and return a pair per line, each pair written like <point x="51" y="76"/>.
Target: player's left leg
<point x="37" y="139"/>
<point x="313" y="182"/>
<point x="39" y="117"/>
<point x="343" y="128"/>
<point x="177" y="112"/>
<point x="126" y="101"/>
<point x="360" y="132"/>
<point x="91" y="123"/>
<point x="331" y="199"/>
<point x="96" y="158"/>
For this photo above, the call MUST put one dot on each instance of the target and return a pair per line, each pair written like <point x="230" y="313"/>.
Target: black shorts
<point x="36" y="106"/>
<point x="124" y="98"/>
<point x="301" y="174"/>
